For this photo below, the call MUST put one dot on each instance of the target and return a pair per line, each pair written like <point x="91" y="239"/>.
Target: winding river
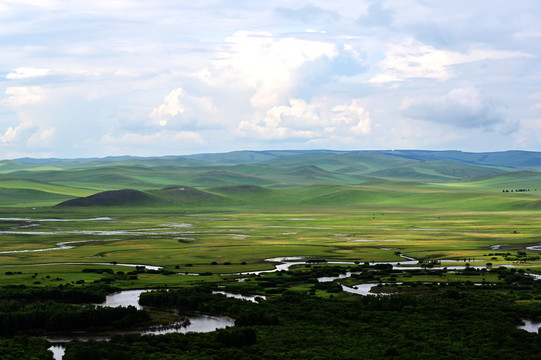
<point x="198" y="323"/>
<point x="207" y="323"/>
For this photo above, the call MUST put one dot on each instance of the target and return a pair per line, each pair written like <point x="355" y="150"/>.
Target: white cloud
<point x="181" y="110"/>
<point x="415" y="60"/>
<point x="310" y="121"/>
<point x="300" y="119"/>
<point x="24" y="95"/>
<point x="17" y="133"/>
<point x="376" y="15"/>
<point x="268" y="65"/>
<point x="353" y="117"/>
<point x="23" y="99"/>
<point x="462" y="107"/>
<point x="27" y="72"/>
<point x="169" y="108"/>
<point x="161" y="139"/>
<point x="530" y="133"/>
<point x="9" y="135"/>
<point x="41" y="137"/>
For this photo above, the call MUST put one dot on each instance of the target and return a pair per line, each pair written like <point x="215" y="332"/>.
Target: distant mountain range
<point x="514" y="159"/>
<point x="50" y="181"/>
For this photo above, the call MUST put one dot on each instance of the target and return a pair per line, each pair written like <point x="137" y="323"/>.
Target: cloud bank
<point x="463" y="108"/>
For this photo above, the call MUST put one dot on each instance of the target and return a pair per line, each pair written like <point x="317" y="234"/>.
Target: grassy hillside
<point x="380" y="194"/>
<point x="29" y="198"/>
<point x="523" y="179"/>
<point x="46" y="182"/>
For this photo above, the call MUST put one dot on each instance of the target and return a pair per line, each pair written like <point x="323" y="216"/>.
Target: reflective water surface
<point x="198" y="323"/>
<point x="531" y="326"/>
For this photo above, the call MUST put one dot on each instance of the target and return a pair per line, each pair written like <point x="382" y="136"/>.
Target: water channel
<point x="531" y="326"/>
<point x="198" y="323"/>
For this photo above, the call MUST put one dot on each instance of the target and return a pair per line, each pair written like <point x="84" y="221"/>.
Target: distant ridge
<point x="512" y="158"/>
<point x="28" y="160"/>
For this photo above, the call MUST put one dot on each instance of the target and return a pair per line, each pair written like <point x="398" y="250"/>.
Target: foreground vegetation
<point x="439" y="325"/>
<point x="303" y="318"/>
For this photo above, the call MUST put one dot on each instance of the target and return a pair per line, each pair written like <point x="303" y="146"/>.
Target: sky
<point x="98" y="78"/>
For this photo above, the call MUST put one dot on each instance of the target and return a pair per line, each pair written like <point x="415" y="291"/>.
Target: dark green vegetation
<point x="23" y="347"/>
<point x="73" y="231"/>
<point x="304" y="319"/>
<point x="35" y="318"/>
<point x="447" y="321"/>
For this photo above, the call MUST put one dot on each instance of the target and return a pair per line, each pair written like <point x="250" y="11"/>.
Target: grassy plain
<point x="425" y="222"/>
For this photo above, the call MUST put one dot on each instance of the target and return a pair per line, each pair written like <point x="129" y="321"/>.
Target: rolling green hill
<point x="380" y="194"/>
<point x="513" y="180"/>
<point x="223" y="177"/>
<point x="46" y="182"/>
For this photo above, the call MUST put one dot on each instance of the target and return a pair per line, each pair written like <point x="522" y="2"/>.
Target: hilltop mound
<point x="125" y="197"/>
<point x="129" y="197"/>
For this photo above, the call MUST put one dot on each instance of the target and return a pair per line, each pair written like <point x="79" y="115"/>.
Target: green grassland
<point x="224" y="241"/>
<point x="227" y="213"/>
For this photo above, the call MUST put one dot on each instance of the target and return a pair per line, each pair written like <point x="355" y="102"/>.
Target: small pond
<point x="531" y="326"/>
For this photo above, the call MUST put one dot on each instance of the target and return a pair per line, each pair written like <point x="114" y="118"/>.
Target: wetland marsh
<point x="229" y="243"/>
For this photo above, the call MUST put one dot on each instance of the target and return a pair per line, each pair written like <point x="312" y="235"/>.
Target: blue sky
<point x="164" y="77"/>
